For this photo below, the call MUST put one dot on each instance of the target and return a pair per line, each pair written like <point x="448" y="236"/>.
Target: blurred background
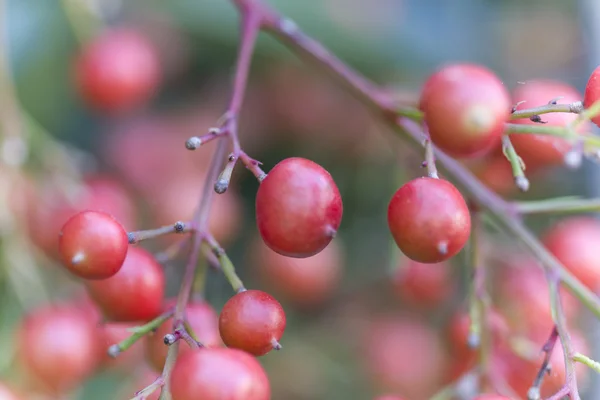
<point x="362" y="321"/>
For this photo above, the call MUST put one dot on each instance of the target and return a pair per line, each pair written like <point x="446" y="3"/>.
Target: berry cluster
<point x="466" y="121"/>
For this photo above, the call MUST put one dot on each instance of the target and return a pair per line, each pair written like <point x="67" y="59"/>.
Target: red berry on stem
<point x="304" y="282"/>
<point x="465" y="108"/>
<point x="58" y="346"/>
<point x="135" y="293"/>
<point x="543" y="150"/>
<point x="93" y="245"/>
<point x="252" y="321"/>
<point x="203" y="320"/>
<point x="592" y="93"/>
<point x="429" y="220"/>
<point x="118" y="72"/>
<point x="298" y="208"/>
<point x="574" y="242"/>
<point x="217" y="374"/>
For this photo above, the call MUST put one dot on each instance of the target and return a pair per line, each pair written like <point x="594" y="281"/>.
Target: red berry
<point x="423" y="285"/>
<point x="522" y="293"/>
<point x="93" y="245"/>
<point x="58" y="346"/>
<point x="204" y="321"/>
<point x="574" y="242"/>
<point x="252" y="321"/>
<point x="133" y="294"/>
<point x="538" y="150"/>
<point x="390" y="342"/>
<point x="118" y="72"/>
<point x="305" y="282"/>
<point x="298" y="208"/>
<point x="592" y="93"/>
<point x="465" y="109"/>
<point x="50" y="207"/>
<point x="218" y="374"/>
<point x="429" y="220"/>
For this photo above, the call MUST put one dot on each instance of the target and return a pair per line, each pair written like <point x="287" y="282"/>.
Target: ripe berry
<point x="93" y="245"/>
<point x="58" y="346"/>
<point x="135" y="293"/>
<point x="592" y="93"/>
<point x="49" y="207"/>
<point x="389" y="342"/>
<point x="429" y="220"/>
<point x="252" y="321"/>
<point x="304" y="282"/>
<point x="298" y="208"/>
<point x="423" y="285"/>
<point x="522" y="294"/>
<point x="203" y="320"/>
<point x="574" y="242"/>
<point x="118" y="72"/>
<point x="543" y="150"/>
<point x="465" y="109"/>
<point x="217" y="374"/>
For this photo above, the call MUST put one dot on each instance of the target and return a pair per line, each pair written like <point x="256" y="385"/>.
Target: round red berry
<point x="118" y="72"/>
<point x="424" y="285"/>
<point x="429" y="220"/>
<point x="93" y="245"/>
<point x="217" y="374"/>
<point x="58" y="346"/>
<point x="592" y="93"/>
<point x="465" y="108"/>
<point x="133" y="294"/>
<point x="574" y="242"/>
<point x="252" y="321"/>
<point x="298" y="208"/>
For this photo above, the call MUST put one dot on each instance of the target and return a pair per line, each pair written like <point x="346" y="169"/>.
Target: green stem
<point x="226" y="265"/>
<point x="516" y="163"/>
<point x="576" y="108"/>
<point x="560" y="205"/>
<point x="138" y="333"/>
<point x="410" y="113"/>
<point x="583" y="359"/>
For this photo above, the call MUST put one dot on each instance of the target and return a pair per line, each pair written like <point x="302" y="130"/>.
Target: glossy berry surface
<point x="429" y="220"/>
<point x="304" y="282"/>
<point x="544" y="150"/>
<point x="252" y="321"/>
<point x="574" y="242"/>
<point x="133" y="294"/>
<point x="93" y="245"/>
<point x="204" y="321"/>
<point x="298" y="208"/>
<point x="465" y="107"/>
<point x="58" y="346"/>
<point x="118" y="72"/>
<point x="218" y="374"/>
<point x="592" y="92"/>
